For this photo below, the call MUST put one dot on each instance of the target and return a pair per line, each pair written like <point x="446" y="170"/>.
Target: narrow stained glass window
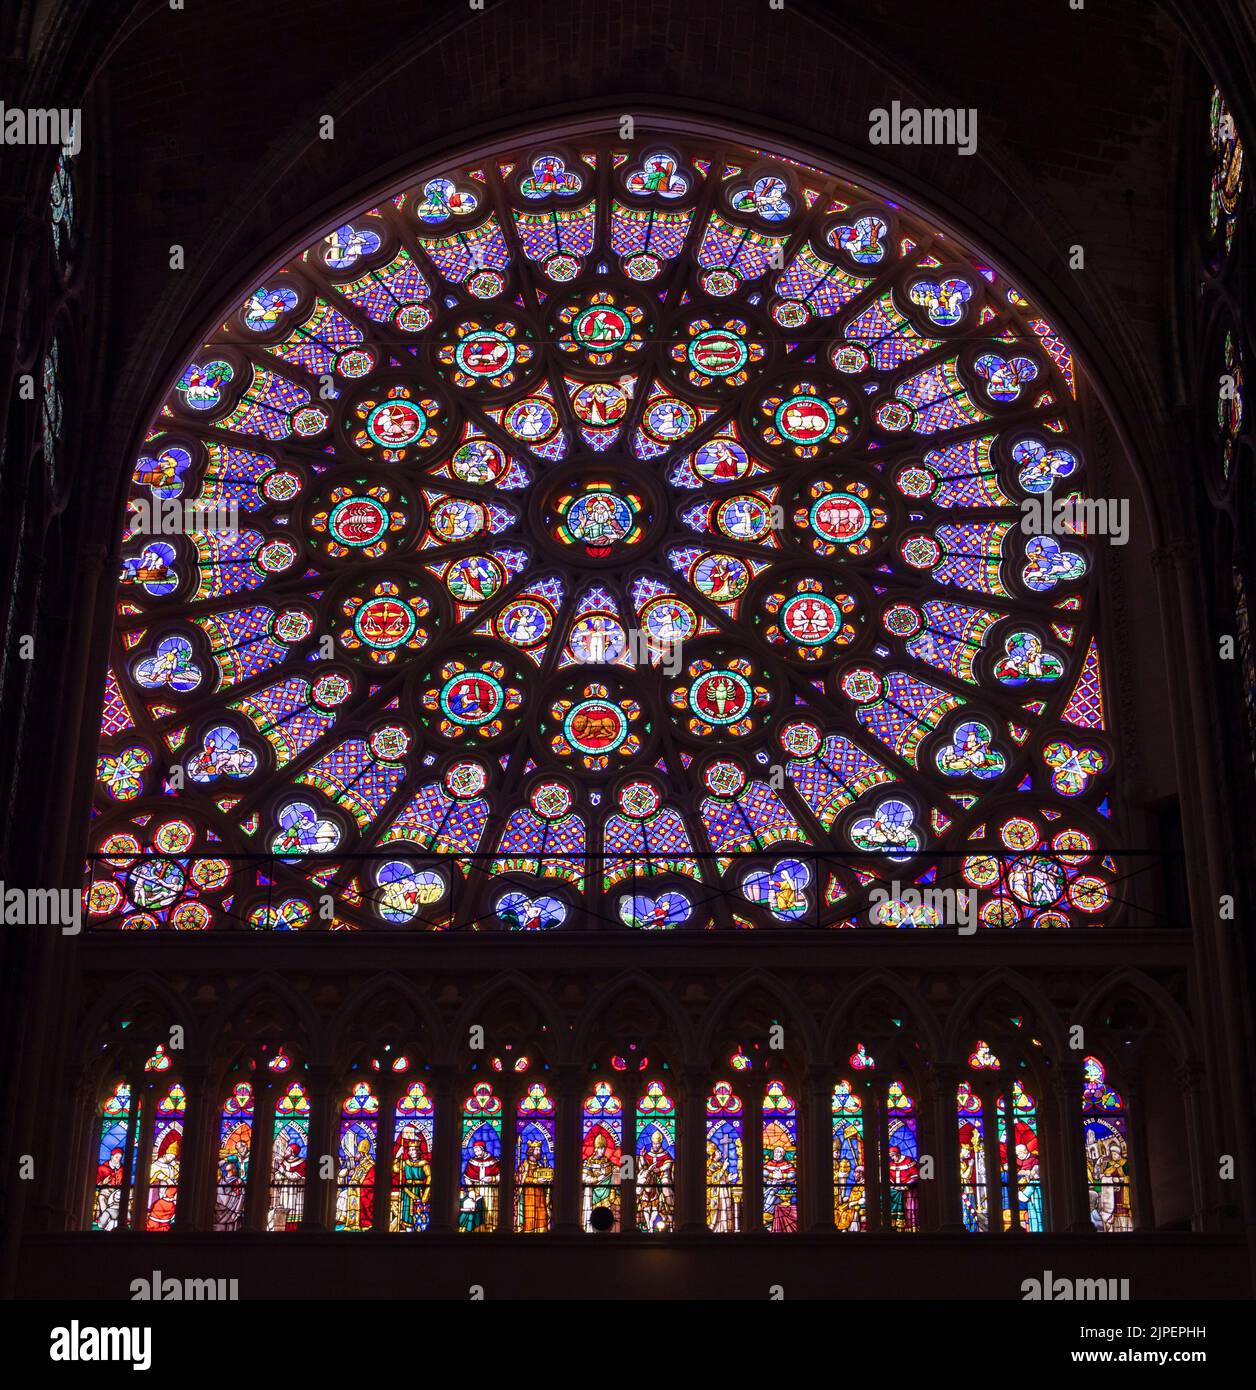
<point x="289" y="1155"/>
<point x="848" y="1159"/>
<point x="601" y="1154"/>
<point x="166" y="1160"/>
<point x="235" y="1144"/>
<point x="780" y="1160"/>
<point x="724" y="1159"/>
<point x="111" y="1150"/>
<point x="414" y="1135"/>
<point x="355" y="1175"/>
<point x="656" y="1161"/>
<point x="1106" y="1138"/>
<point x="480" y="1197"/>
<point x="902" y="1158"/>
<point x="534" y="1161"/>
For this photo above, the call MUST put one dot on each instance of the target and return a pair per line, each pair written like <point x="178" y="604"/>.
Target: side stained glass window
<point x="1226" y="181"/>
<point x="413" y="1139"/>
<point x="534" y="1161"/>
<point x="355" y="1173"/>
<point x="479" y="1199"/>
<point x="166" y="1160"/>
<point x="780" y="1160"/>
<point x="52" y="411"/>
<point x="111" y="1150"/>
<point x="289" y="1156"/>
<point x="235" y="1145"/>
<point x="656" y="1161"/>
<point x="972" y="1158"/>
<point x="1021" y="1131"/>
<point x="601" y="1156"/>
<point x="1106" y="1139"/>
<point x="725" y="1155"/>
<point x="645" y="466"/>
<point x="902" y="1158"/>
<point x="848" y="1159"/>
<point x="61" y="198"/>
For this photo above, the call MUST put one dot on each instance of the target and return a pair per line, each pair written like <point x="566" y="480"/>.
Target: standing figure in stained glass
<point x="355" y="1199"/>
<point x="598" y="1176"/>
<point x="533" y="1177"/>
<point x="655" y="1198"/>
<point x="413" y="1167"/>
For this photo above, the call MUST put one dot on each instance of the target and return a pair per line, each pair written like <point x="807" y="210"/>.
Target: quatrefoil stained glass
<point x="617" y="536"/>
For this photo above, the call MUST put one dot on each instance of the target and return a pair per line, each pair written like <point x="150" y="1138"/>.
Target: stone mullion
<point x="567" y="1165"/>
<point x="691" y="1152"/>
<point x="752" y="1159"/>
<point x="446" y="1156"/>
<point x="1141" y="1207"/>
<point x="1069" y="1210"/>
<point x="325" y="1100"/>
<point x="815" y="1167"/>
<point x="261" y="1155"/>
<point x="874" y="1147"/>
<point x="194" y="1211"/>
<point x="943" y="1081"/>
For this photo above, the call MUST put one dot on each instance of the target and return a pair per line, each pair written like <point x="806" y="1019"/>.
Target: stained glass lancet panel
<point x="725" y="1159"/>
<point x="413" y="1140"/>
<point x="1105" y="1136"/>
<point x="235" y="1146"/>
<point x="534" y="1161"/>
<point x="290" y="1146"/>
<point x="1024" y="1155"/>
<point x="165" y="1160"/>
<point x="646" y="466"/>
<point x="115" y="1136"/>
<point x="355" y="1172"/>
<point x="902" y="1158"/>
<point x="974" y="1197"/>
<point x="480" y="1197"/>
<point x="780" y="1160"/>
<point x="601" y="1157"/>
<point x="848" y="1159"/>
<point x="656" y="1161"/>
<point x="1226" y="176"/>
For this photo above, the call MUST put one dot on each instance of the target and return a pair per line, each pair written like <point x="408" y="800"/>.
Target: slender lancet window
<point x="780" y="1160"/>
<point x="289" y="1155"/>
<point x="1105" y="1135"/>
<point x="479" y="1200"/>
<point x="235" y="1145"/>
<point x="902" y="1158"/>
<point x="848" y="1159"/>
<point x="115" y="1136"/>
<point x="656" y="1161"/>
<point x="355" y="1175"/>
<point x="601" y="1159"/>
<point x="534" y="1161"/>
<point x="724" y="1159"/>
<point x="166" y="1160"/>
<point x="413" y="1138"/>
<point x="527" y="517"/>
